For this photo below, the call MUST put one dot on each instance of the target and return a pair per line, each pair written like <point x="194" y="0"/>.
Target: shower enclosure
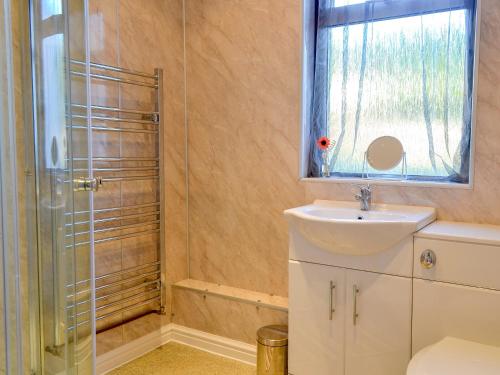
<point x="11" y="360"/>
<point x="94" y="191"/>
<point x="64" y="187"/>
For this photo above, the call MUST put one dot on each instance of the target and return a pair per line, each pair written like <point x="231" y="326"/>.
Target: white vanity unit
<point x="350" y="287"/>
<point x="367" y="310"/>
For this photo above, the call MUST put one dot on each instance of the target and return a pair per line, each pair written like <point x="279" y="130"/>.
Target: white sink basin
<point x="342" y="228"/>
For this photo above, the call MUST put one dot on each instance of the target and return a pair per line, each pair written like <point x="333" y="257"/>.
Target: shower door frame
<point x="11" y="276"/>
<point x="36" y="313"/>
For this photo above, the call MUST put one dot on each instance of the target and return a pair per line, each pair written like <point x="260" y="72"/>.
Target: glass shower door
<point x="11" y="348"/>
<point x="65" y="185"/>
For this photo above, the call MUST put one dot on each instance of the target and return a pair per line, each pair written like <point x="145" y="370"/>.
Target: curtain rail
<point x="374" y="11"/>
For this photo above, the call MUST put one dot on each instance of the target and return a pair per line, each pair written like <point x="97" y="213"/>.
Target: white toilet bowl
<point x="452" y="356"/>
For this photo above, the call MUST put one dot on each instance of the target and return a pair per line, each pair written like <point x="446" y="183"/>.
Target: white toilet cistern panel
<point x="458" y="295"/>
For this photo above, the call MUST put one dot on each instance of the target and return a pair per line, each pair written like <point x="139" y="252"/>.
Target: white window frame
<point x="307" y="69"/>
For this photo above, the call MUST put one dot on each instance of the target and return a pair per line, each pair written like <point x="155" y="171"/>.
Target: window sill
<point x="374" y="181"/>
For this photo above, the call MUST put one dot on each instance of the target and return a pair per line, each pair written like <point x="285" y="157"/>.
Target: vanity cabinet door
<point x="378" y="324"/>
<point x="316" y="335"/>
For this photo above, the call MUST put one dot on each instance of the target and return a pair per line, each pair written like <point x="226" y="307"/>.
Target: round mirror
<point x="384" y="153"/>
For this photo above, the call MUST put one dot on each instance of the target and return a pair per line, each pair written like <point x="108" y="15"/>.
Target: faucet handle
<point x="367" y="187"/>
<point x="363" y="188"/>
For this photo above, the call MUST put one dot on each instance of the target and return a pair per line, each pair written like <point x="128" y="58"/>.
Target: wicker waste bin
<point x="272" y="350"/>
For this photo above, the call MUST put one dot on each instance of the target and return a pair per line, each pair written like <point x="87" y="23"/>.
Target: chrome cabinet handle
<point x="332" y="289"/>
<point x="355" y="315"/>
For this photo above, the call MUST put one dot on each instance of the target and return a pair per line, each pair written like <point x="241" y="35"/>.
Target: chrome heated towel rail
<point x="141" y="286"/>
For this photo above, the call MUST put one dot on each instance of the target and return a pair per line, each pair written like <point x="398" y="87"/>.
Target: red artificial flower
<point x="323" y="143"/>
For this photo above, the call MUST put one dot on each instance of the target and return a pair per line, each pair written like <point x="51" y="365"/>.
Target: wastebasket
<point x="272" y="350"/>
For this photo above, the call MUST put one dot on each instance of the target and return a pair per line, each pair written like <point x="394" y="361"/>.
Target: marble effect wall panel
<point x="243" y="107"/>
<point x="243" y="99"/>
<point x="151" y="36"/>
<point x="221" y="316"/>
<point x="243" y="95"/>
<point x="142" y="35"/>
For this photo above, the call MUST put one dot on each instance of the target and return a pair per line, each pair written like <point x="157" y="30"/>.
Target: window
<point x="395" y="67"/>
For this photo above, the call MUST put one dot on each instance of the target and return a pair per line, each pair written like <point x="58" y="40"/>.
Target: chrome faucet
<point x="364" y="197"/>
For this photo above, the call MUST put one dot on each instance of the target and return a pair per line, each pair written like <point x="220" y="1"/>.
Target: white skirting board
<point x="207" y="342"/>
